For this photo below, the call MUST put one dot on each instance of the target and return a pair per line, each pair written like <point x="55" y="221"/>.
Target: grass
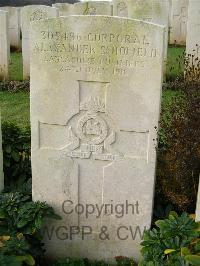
<point x="175" y="63"/>
<point x="15" y="108"/>
<point x="16" y="68"/>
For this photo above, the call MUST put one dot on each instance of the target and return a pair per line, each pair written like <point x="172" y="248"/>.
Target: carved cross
<point x="91" y="136"/>
<point x="182" y="17"/>
<point x="122" y="9"/>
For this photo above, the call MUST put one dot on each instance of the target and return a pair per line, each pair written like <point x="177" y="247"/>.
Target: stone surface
<point x="94" y="111"/>
<point x="178" y="24"/>
<point x="155" y="11"/>
<point x="4" y="45"/>
<point x="65" y="9"/>
<point x="30" y="14"/>
<point x="14" y="25"/>
<point x="198" y="205"/>
<point x="1" y="160"/>
<point x="193" y="29"/>
<point x="92" y="8"/>
<point x="121" y="8"/>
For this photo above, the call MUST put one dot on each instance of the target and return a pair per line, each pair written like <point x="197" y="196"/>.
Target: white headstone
<point x="65" y="9"/>
<point x="20" y="22"/>
<point x="14" y="25"/>
<point x="95" y="102"/>
<point x="170" y="13"/>
<point x="121" y="8"/>
<point x="155" y="11"/>
<point x="92" y="8"/>
<point x="193" y="29"/>
<point x="178" y="24"/>
<point x="4" y="45"/>
<point x="198" y="205"/>
<point x="1" y="160"/>
<point x="28" y="15"/>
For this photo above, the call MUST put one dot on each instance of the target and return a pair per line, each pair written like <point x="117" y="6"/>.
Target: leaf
<point x="174" y="214"/>
<point x="38" y="222"/>
<point x="54" y="216"/>
<point x="4" y="238"/>
<point x="21" y="223"/>
<point x="193" y="259"/>
<point x="160" y="223"/>
<point x="15" y="156"/>
<point x="20" y="236"/>
<point x="185" y="251"/>
<point x="168" y="251"/>
<point x="28" y="259"/>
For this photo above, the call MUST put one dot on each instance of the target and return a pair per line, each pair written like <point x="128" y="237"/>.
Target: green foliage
<point x="123" y="261"/>
<point x="15" y="248"/>
<point x="174" y="241"/>
<point x="15" y="86"/>
<point x="170" y="99"/>
<point x="193" y="259"/>
<point x="16" y="152"/>
<point x="12" y="260"/>
<point x="70" y="262"/>
<point x="179" y="145"/>
<point x="20" y="222"/>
